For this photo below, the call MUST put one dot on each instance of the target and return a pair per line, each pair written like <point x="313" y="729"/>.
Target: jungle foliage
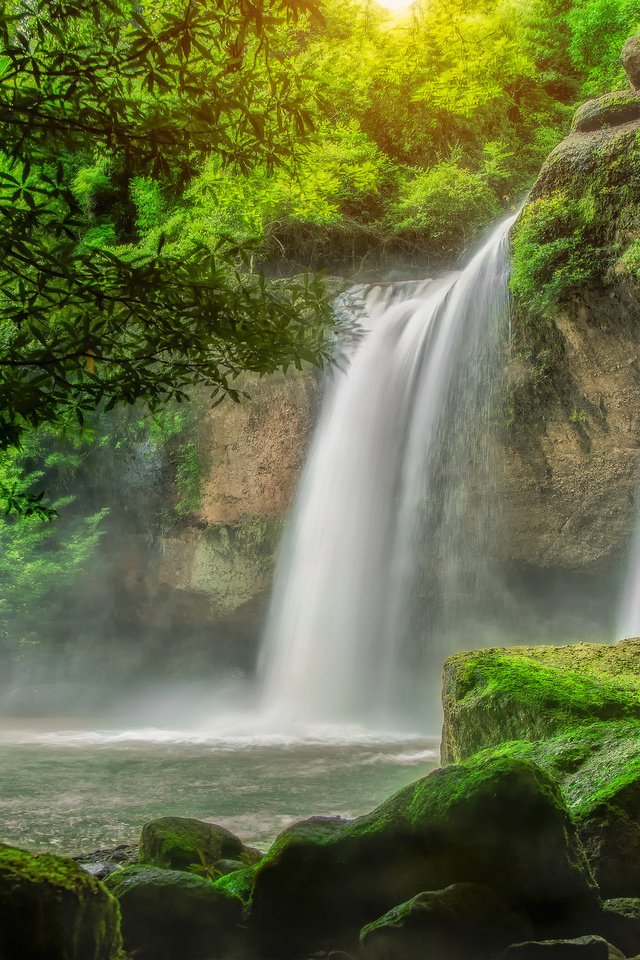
<point x="154" y="159"/>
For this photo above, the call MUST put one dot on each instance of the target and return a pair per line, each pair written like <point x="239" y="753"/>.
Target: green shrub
<point x="447" y="204"/>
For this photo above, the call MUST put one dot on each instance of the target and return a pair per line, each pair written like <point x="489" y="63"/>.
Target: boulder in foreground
<point x="501" y="823"/>
<point x="172" y="915"/>
<point x="465" y="921"/>
<point x="50" y="909"/>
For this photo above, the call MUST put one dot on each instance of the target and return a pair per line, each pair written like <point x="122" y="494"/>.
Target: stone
<point x="173" y="915"/>
<point x="463" y="921"/>
<point x="581" y="948"/>
<point x="50" y="909"/>
<point x="535" y="693"/>
<point x="631" y="60"/>
<point x="621" y="924"/>
<point x="177" y="843"/>
<point x="574" y="710"/>
<point x="611" y="110"/>
<point x="321" y="883"/>
<point x="223" y="867"/>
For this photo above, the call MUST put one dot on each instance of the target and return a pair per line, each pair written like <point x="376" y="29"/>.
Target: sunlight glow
<point x="397" y="6"/>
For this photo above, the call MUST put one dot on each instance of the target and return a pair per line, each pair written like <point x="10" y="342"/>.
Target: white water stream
<point x="386" y="538"/>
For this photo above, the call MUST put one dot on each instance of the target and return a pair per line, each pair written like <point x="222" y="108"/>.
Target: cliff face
<point x="572" y="455"/>
<point x="251" y="455"/>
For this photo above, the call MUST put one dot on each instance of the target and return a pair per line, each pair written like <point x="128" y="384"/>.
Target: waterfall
<point x="629" y="622"/>
<point x="386" y="536"/>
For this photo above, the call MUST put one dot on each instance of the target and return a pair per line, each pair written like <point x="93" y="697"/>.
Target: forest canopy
<point x="161" y="165"/>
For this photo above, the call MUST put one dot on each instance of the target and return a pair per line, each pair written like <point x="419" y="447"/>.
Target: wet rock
<point x="621" y="924"/>
<point x="631" y="60"/>
<point x="465" y="921"/>
<point x="177" y="843"/>
<point x="535" y="693"/>
<point x="172" y="915"/>
<point x="611" y="110"/>
<point x="223" y="867"/>
<point x="99" y="868"/>
<point x="50" y="909"/>
<point x="611" y="837"/>
<point x="543" y="704"/>
<point x="319" y="884"/>
<point x="582" y="948"/>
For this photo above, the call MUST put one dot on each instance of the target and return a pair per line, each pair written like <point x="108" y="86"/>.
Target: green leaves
<point x="106" y="111"/>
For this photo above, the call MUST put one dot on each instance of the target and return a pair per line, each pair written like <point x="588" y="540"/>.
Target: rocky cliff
<point x="571" y="455"/>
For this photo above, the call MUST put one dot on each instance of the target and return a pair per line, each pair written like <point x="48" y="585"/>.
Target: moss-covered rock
<point x="317" y="887"/>
<point x="621" y="924"/>
<point x="540" y="704"/>
<point x="171" y="915"/>
<point x="611" y="110"/>
<point x="50" y="909"/>
<point x="534" y="693"/>
<point x="177" y="843"/>
<point x="463" y="921"/>
<point x="580" y="948"/>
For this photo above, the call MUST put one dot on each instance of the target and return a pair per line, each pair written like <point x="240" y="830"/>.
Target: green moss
<point x="535" y="693"/>
<point x="54" y="909"/>
<point x="555" y="251"/>
<point x="579" y="230"/>
<point x="46" y="868"/>
<point x="238" y="884"/>
<point x="596" y="765"/>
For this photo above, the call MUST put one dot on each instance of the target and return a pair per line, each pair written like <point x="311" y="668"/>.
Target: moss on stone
<point x="459" y="824"/>
<point x="51" y="907"/>
<point x="495" y="695"/>
<point x="178" y="843"/>
<point x="574" y="711"/>
<point x="581" y="216"/>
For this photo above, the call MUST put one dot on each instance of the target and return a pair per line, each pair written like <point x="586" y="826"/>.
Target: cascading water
<point x="629" y="622"/>
<point x="387" y="532"/>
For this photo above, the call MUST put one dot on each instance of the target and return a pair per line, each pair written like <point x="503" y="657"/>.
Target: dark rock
<point x="223" y="867"/>
<point x="176" y="843"/>
<point x="631" y="60"/>
<point x="99" y="868"/>
<point x="544" y="702"/>
<point x="611" y="110"/>
<point x="610" y="834"/>
<point x="621" y="924"/>
<point x="50" y="909"/>
<point x="582" y="948"/>
<point x="465" y="921"/>
<point x="320" y="883"/>
<point x="172" y="915"/>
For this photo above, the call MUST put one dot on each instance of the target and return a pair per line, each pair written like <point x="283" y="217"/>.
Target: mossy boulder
<point x="540" y="704"/>
<point x="631" y="60"/>
<point x="501" y="823"/>
<point x="50" y="909"/>
<point x="172" y="915"/>
<point x="534" y="693"/>
<point x="176" y="843"/>
<point x="463" y="921"/>
<point x="611" y="110"/>
<point x="622" y="924"/>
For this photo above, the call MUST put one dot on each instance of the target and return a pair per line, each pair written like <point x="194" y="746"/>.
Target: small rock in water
<point x="177" y="843"/>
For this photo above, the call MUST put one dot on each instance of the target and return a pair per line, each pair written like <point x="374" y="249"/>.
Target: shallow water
<point x="75" y="791"/>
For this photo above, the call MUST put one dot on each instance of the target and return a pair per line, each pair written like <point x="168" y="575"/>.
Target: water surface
<point x="76" y="791"/>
